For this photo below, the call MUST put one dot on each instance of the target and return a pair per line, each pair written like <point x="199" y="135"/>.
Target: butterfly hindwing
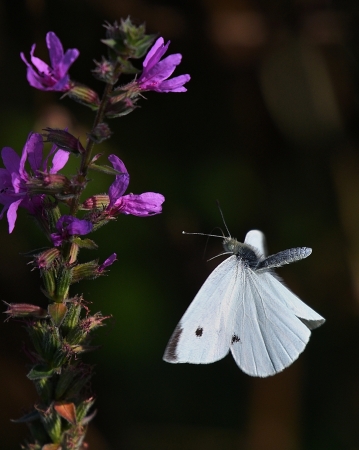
<point x="272" y="284"/>
<point x="268" y="336"/>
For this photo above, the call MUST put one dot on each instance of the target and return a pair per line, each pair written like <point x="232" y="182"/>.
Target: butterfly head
<point x="244" y="252"/>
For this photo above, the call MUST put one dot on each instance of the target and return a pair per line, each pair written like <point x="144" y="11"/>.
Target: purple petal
<point x="155" y="54"/>
<point x="119" y="186"/>
<point x="174" y="84"/>
<point x="110" y="260"/>
<point x="11" y="160"/>
<point x="72" y="225"/>
<point x="146" y="204"/>
<point x="69" y="58"/>
<point x="56" y="50"/>
<point x="38" y="63"/>
<point x="59" y="160"/>
<point x="33" y="148"/>
<point x="164" y="68"/>
<point x="79" y="226"/>
<point x="12" y="214"/>
<point x="56" y="239"/>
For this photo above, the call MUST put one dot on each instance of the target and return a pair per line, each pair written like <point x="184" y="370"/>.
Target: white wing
<point x="256" y="239"/>
<point x="267" y="335"/>
<point x="204" y="333"/>
<point x="271" y="284"/>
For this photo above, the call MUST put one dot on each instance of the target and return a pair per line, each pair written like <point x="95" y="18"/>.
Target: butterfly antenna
<point x="220" y="210"/>
<point x="204" y="234"/>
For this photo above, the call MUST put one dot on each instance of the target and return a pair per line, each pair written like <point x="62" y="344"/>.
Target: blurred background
<point x="269" y="127"/>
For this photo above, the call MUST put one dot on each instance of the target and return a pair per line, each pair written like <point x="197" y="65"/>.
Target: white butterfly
<point x="244" y="308"/>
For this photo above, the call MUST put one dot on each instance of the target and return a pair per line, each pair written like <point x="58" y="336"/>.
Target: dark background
<point x="269" y="127"/>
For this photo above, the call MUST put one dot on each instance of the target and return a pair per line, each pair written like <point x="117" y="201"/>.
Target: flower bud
<point x="63" y="284"/>
<point x="84" y="95"/>
<point x="100" y="133"/>
<point x="84" y="271"/>
<point x="72" y="317"/>
<point x="46" y="259"/>
<point x="127" y="40"/>
<point x="45" y="183"/>
<point x="25" y="310"/>
<point x="96" y="202"/>
<point x="48" y="278"/>
<point x="64" y="140"/>
<point x="105" y="71"/>
<point x="120" y="108"/>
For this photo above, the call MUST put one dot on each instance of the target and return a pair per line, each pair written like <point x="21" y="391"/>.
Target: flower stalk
<point x="62" y="332"/>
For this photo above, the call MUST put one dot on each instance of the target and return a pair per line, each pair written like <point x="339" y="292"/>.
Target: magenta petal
<point x="11" y="159"/>
<point x="69" y="58"/>
<point x="108" y="262"/>
<point x="117" y="163"/>
<point x="34" y="150"/>
<point x="12" y="214"/>
<point x="56" y="50"/>
<point x="146" y="204"/>
<point x="164" y="68"/>
<point x="79" y="226"/>
<point x="155" y="54"/>
<point x="174" y="84"/>
<point x="119" y="186"/>
<point x="56" y="239"/>
<point x="59" y="160"/>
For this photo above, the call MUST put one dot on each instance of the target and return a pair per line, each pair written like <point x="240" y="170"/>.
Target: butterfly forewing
<point x="204" y="333"/>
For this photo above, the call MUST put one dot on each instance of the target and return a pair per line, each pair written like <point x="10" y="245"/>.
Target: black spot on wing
<point x="170" y="352"/>
<point x="235" y="339"/>
<point x="199" y="331"/>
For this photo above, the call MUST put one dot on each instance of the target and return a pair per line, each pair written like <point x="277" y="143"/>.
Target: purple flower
<point x="142" y="205"/>
<point x="69" y="226"/>
<point x="108" y="262"/>
<point x="13" y="179"/>
<point x="54" y="77"/>
<point x="155" y="72"/>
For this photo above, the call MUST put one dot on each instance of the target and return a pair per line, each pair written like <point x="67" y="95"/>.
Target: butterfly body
<point x="244" y="308"/>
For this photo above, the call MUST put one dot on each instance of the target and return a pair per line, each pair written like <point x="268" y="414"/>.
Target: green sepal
<point x="48" y="278"/>
<point x="65" y="380"/>
<point x="46" y="340"/>
<point x="85" y="243"/>
<point x="126" y="66"/>
<point x="45" y="388"/>
<point x="52" y="423"/>
<point x="40" y="371"/>
<point x="72" y="317"/>
<point x="85" y="271"/>
<point x="83" y="409"/>
<point x="104" y="169"/>
<point x="77" y="386"/>
<point x="63" y="284"/>
<point x="57" y="312"/>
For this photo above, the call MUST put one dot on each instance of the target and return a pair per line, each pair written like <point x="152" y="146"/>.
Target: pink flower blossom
<point x="155" y="72"/>
<point x="142" y="205"/>
<point x="69" y="226"/>
<point x="13" y="178"/>
<point x="51" y="78"/>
